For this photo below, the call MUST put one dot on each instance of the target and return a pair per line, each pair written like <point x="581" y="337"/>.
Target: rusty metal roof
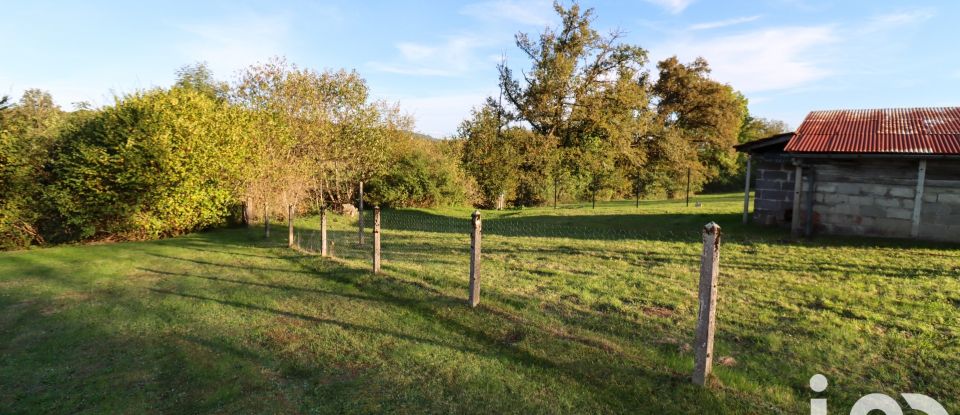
<point x="893" y="130"/>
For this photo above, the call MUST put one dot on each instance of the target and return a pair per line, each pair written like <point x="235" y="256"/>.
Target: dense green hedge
<point x="158" y="163"/>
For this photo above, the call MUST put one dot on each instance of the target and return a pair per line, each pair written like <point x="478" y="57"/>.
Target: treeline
<point x="172" y="160"/>
<point x="586" y="120"/>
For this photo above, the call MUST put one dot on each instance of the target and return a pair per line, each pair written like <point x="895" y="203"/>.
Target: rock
<point x="348" y="209"/>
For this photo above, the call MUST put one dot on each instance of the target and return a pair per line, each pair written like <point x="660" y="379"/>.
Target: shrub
<point x="158" y="163"/>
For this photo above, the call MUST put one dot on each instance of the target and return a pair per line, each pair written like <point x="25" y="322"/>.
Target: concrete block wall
<point x="876" y="198"/>
<point x="773" y="192"/>
<point x="940" y="214"/>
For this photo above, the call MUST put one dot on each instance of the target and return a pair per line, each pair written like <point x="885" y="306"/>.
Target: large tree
<point x="584" y="96"/>
<point x="707" y="114"/>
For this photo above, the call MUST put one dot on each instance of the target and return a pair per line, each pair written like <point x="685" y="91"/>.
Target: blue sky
<point x="437" y="59"/>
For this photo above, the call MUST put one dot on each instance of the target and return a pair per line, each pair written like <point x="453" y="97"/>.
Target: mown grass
<point x="582" y="311"/>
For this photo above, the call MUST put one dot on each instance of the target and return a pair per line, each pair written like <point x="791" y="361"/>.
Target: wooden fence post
<point x="332" y="251"/>
<point x="266" y="221"/>
<point x="475" y="259"/>
<point x="360" y="218"/>
<point x="707" y="313"/>
<point x="290" y="241"/>
<point x="376" y="239"/>
<point x="323" y="231"/>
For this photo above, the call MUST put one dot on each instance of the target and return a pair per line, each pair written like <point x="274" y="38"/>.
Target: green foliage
<point x="158" y="163"/>
<point x="489" y="154"/>
<point x="707" y="113"/>
<point x="200" y="78"/>
<point x="586" y="101"/>
<point x="427" y="175"/>
<point x="28" y="131"/>
<point x="597" y="124"/>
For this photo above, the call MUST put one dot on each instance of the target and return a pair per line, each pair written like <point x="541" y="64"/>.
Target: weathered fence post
<point x="746" y="192"/>
<point x="332" y="250"/>
<point x="360" y="218"/>
<point x="290" y="241"/>
<point x="323" y="231"/>
<point x="247" y="213"/>
<point x="707" y="313"/>
<point x="266" y="221"/>
<point x="475" y="259"/>
<point x="376" y="239"/>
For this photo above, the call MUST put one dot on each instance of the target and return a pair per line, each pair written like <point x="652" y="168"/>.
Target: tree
<point x="314" y="132"/>
<point x="585" y="96"/>
<point x="489" y="156"/>
<point x="199" y="77"/>
<point x="708" y="115"/>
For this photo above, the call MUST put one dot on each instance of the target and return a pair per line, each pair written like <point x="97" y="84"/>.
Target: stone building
<point x="882" y="172"/>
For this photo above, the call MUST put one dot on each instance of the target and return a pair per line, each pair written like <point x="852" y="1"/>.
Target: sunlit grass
<point x="582" y="311"/>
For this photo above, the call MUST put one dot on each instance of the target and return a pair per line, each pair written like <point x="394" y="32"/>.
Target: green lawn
<point x="582" y="311"/>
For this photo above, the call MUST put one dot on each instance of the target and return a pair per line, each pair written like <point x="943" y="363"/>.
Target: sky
<point x="437" y="59"/>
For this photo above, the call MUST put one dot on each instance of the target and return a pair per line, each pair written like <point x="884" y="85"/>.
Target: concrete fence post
<point x="918" y="199"/>
<point x="475" y="259"/>
<point x="266" y="221"/>
<point x="376" y="239"/>
<point x="360" y="216"/>
<point x="746" y="192"/>
<point x="323" y="231"/>
<point x="797" y="191"/>
<point x="707" y="312"/>
<point x="248" y="213"/>
<point x="290" y="242"/>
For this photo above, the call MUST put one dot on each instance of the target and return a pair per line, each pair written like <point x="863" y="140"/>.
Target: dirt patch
<point x="64" y="301"/>
<point x="657" y="311"/>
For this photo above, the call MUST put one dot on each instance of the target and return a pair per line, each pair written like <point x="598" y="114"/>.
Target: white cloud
<point x="897" y="19"/>
<point x="672" y="6"/>
<point x="761" y="60"/>
<point x="236" y="42"/>
<point x="722" y="23"/>
<point x="453" y="57"/>
<point x="527" y="12"/>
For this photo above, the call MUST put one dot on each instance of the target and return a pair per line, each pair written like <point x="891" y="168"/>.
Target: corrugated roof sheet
<point x="893" y="130"/>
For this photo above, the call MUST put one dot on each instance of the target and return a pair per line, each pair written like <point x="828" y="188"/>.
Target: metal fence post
<point x="707" y="313"/>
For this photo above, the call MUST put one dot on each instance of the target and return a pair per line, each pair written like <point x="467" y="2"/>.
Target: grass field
<point x="582" y="311"/>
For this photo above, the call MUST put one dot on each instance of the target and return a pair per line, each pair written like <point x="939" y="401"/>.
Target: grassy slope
<point x="596" y="317"/>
